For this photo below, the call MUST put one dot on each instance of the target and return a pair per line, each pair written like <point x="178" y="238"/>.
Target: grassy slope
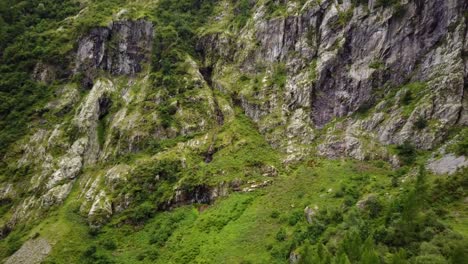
<point x="241" y="228"/>
<point x="234" y="229"/>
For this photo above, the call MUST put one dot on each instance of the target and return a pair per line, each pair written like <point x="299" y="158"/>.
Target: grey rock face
<point x="121" y="49"/>
<point x="341" y="59"/>
<point x="448" y="164"/>
<point x="200" y="194"/>
<point x="44" y="73"/>
<point x="101" y="209"/>
<point x="32" y="252"/>
<point x="310" y="214"/>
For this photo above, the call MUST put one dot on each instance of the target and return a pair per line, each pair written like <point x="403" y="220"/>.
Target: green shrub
<point x="295" y="217"/>
<point x="377" y="64"/>
<point x="386" y="3"/>
<point x="278" y="77"/>
<point x="343" y="18"/>
<point x="275" y="214"/>
<point x="109" y="244"/>
<point x="407" y="98"/>
<point x="90" y="251"/>
<point x="281" y="235"/>
<point x="406" y="152"/>
<point x="14" y="243"/>
<point x="242" y="12"/>
<point x="420" y="123"/>
<point x="461" y="146"/>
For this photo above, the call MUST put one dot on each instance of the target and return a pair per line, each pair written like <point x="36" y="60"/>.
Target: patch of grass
<point x="343" y="18"/>
<point x="243" y="226"/>
<point x="411" y="96"/>
<point x="278" y="77"/>
<point x="460" y="147"/>
<point x="377" y="65"/>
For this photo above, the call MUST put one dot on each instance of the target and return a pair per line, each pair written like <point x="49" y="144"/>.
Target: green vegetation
<point x="420" y="123"/>
<point x="343" y="18"/>
<point x="26" y="38"/>
<point x="242" y="12"/>
<point x="387" y="3"/>
<point x="461" y="144"/>
<point x="377" y="64"/>
<point x="279" y="75"/>
<point x="313" y="70"/>
<point x="411" y="96"/>
<point x="406" y="152"/>
<point x="275" y="8"/>
<point x="265" y="211"/>
<point x="263" y="226"/>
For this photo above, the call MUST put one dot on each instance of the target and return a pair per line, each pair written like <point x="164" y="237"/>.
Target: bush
<point x="279" y="75"/>
<point x="281" y="235"/>
<point x="109" y="244"/>
<point x="461" y="146"/>
<point x="407" y="98"/>
<point x="420" y="123"/>
<point x="377" y="64"/>
<point x="386" y="3"/>
<point x="374" y="206"/>
<point x="275" y="214"/>
<point x="406" y="152"/>
<point x="90" y="251"/>
<point x="295" y="217"/>
<point x="142" y="213"/>
<point x="242" y="12"/>
<point x="14" y="243"/>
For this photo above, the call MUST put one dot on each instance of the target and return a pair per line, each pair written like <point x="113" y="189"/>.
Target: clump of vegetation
<point x="420" y="123"/>
<point x="387" y="3"/>
<point x="461" y="145"/>
<point x="275" y="8"/>
<point x="406" y="152"/>
<point x="313" y="70"/>
<point x="278" y="77"/>
<point x="166" y="114"/>
<point x="242" y="12"/>
<point x="25" y="41"/>
<point x="377" y="64"/>
<point x="281" y="235"/>
<point x="407" y="98"/>
<point x="343" y="18"/>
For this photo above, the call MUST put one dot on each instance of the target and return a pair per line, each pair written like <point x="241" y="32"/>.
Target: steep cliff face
<point x="342" y="59"/>
<point x="121" y="49"/>
<point x="146" y="123"/>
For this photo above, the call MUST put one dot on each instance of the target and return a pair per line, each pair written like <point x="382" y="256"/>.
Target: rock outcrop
<point x="343" y="58"/>
<point x="33" y="251"/>
<point x="332" y="78"/>
<point x="121" y="49"/>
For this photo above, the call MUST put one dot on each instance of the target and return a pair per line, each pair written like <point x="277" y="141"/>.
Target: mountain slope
<point x="233" y="131"/>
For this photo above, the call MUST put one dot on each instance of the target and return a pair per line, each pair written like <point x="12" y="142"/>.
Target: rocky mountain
<point x="234" y="131"/>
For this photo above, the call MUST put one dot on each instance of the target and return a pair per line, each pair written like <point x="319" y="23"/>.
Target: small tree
<point x="399" y="257"/>
<point x="351" y="245"/>
<point x="406" y="152"/>
<point x="307" y="256"/>
<point x="369" y="256"/>
<point x="342" y="258"/>
<point x="420" y="123"/>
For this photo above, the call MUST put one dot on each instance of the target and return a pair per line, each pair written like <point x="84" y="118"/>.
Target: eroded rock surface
<point x="341" y="59"/>
<point x="121" y="49"/>
<point x="448" y="164"/>
<point x="34" y="251"/>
